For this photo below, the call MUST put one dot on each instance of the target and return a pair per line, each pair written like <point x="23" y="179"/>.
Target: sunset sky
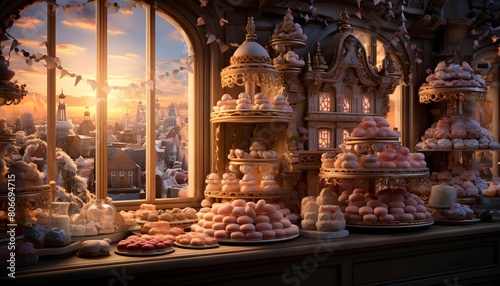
<point x="76" y="51"/>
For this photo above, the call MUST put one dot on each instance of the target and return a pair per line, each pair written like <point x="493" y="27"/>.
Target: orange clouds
<point x="89" y="25"/>
<point x="70" y="49"/>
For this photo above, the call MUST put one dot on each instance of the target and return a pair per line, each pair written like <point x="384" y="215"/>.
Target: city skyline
<point x="76" y="52"/>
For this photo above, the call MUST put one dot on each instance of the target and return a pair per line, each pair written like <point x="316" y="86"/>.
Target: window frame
<point x="184" y="15"/>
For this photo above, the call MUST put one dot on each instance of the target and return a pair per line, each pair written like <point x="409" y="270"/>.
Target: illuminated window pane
<point x="346" y="105"/>
<point x="366" y="104"/>
<point x="325" y="101"/>
<point x="324" y="138"/>
<point x="345" y="134"/>
<point x="172" y="68"/>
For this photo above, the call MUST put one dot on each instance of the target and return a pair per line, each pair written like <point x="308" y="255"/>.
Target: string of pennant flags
<point x="220" y="9"/>
<point x="55" y="63"/>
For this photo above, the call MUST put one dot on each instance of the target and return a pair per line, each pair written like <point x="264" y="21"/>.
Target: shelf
<point x="374" y="174"/>
<point x="455" y="150"/>
<point x="251" y="116"/>
<point x="281" y="193"/>
<point x="288" y="42"/>
<point x="436" y="94"/>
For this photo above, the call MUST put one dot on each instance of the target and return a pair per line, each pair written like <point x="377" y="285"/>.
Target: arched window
<point x="129" y="70"/>
<point x="367" y="104"/>
<point x="347" y="100"/>
<point x="325" y="101"/>
<point x="324" y="138"/>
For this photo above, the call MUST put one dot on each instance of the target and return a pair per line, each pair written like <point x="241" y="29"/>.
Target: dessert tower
<point x="251" y="128"/>
<point x="456" y="141"/>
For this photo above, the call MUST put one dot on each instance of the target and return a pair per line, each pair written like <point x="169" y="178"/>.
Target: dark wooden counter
<point x="434" y="255"/>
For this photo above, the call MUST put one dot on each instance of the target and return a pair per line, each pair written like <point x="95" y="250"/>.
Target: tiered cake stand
<point x="459" y="101"/>
<point x="374" y="180"/>
<point x="26" y="199"/>
<point x="233" y="121"/>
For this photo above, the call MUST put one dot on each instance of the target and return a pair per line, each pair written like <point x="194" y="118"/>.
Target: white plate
<point x="7" y="239"/>
<point x="456" y="222"/>
<point x="187" y="222"/>
<point x="168" y="250"/>
<point x="47" y="251"/>
<point x="395" y="224"/>
<point x="116" y="236"/>
<point x="254" y="241"/>
<point x="196" y="247"/>
<point x="324" y="234"/>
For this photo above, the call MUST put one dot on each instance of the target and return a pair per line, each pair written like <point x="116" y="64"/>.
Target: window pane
<point x="75" y="99"/>
<point x="324" y="138"/>
<point x="325" y="101"/>
<point x="126" y="101"/>
<point x="172" y="68"/>
<point x="28" y="119"/>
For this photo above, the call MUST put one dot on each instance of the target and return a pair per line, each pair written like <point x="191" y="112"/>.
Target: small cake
<point x="26" y="254"/>
<point x="4" y="255"/>
<point x="77" y="230"/>
<point x="35" y="234"/>
<point x="94" y="247"/>
<point x="57" y="237"/>
<point x="442" y="196"/>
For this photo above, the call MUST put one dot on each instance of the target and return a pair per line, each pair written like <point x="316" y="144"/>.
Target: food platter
<point x="393" y="225"/>
<point x="324" y="234"/>
<point x="50" y="251"/>
<point x="195" y="246"/>
<point x="255" y="241"/>
<point x="185" y="222"/>
<point x="115" y="236"/>
<point x="168" y="250"/>
<point x="456" y="222"/>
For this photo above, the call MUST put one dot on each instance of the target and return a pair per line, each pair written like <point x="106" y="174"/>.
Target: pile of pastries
<point x="457" y="132"/>
<point x="322" y="213"/>
<point x="195" y="239"/>
<point x="455" y="212"/>
<point x="453" y="75"/>
<point x="148" y="212"/>
<point x="261" y="101"/>
<point x="160" y="227"/>
<point x="247" y="184"/>
<point x="386" y="205"/>
<point x="145" y="244"/>
<point x="465" y="181"/>
<point x="242" y="220"/>
<point x="493" y="189"/>
<point x="373" y="154"/>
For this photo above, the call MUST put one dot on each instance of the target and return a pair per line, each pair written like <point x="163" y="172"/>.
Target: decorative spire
<point x="344" y="21"/>
<point x="250" y="28"/>
<point x="318" y="61"/>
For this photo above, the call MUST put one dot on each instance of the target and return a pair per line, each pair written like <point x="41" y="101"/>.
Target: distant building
<point x="64" y="126"/>
<point x="124" y="175"/>
<point x="86" y="127"/>
<point x="140" y="119"/>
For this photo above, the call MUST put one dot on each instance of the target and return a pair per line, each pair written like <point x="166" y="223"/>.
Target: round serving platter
<point x="260" y="241"/>
<point x="195" y="246"/>
<point x="125" y="253"/>
<point x="393" y="225"/>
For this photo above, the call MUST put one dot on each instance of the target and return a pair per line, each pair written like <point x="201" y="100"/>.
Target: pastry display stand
<point x="374" y="180"/>
<point x="27" y="199"/>
<point x="230" y="126"/>
<point x="459" y="101"/>
<point x="238" y="128"/>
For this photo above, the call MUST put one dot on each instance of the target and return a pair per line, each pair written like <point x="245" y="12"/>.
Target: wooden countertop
<point x="181" y="260"/>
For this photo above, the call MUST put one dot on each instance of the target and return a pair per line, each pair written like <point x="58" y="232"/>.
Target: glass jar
<point x="59" y="217"/>
<point x="100" y="214"/>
